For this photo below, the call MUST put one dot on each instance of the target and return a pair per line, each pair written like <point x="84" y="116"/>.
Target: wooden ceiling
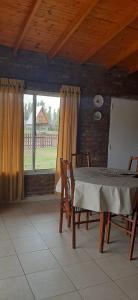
<point x="103" y="32"/>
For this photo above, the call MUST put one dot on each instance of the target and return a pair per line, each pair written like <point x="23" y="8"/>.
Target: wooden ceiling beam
<point x="26" y="24"/>
<point x="124" y="53"/>
<point x="133" y="68"/>
<point x="73" y="26"/>
<point x="130" y="14"/>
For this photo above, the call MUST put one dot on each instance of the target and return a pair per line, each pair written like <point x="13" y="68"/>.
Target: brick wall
<point x="93" y="135"/>
<point x="41" y="74"/>
<point x="39" y="184"/>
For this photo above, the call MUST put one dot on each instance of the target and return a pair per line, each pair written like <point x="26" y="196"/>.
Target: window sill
<point x="40" y="172"/>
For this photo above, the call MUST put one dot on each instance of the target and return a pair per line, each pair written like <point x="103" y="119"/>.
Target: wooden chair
<point x="82" y="159"/>
<point x="67" y="192"/>
<point x="129" y="227"/>
<point x="67" y="196"/>
<point x="130" y="222"/>
<point x="130" y="162"/>
<point x="131" y="159"/>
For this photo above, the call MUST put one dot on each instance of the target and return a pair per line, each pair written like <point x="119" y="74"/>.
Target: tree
<point x="28" y="108"/>
<point x="41" y="103"/>
<point x="57" y="119"/>
<point x="49" y="115"/>
<point x="55" y="122"/>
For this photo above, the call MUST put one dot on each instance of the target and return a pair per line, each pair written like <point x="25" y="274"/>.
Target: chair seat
<point x="78" y="209"/>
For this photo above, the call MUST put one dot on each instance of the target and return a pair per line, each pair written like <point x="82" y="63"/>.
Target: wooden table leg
<point x="103" y="218"/>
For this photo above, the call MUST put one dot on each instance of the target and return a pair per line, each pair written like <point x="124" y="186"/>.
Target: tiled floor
<point x="36" y="262"/>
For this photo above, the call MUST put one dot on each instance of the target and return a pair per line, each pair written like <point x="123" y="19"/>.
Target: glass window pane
<point x="28" y="113"/>
<point x="47" y="121"/>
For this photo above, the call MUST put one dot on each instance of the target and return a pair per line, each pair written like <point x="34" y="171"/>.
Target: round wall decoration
<point x="97" y="116"/>
<point x="98" y="101"/>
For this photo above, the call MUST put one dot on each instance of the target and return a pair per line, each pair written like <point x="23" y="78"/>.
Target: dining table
<point x="104" y="190"/>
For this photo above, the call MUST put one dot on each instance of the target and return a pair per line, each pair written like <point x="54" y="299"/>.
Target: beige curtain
<point x="11" y="140"/>
<point x="69" y="106"/>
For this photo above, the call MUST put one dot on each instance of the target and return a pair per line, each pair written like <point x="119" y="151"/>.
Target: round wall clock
<point x="98" y="101"/>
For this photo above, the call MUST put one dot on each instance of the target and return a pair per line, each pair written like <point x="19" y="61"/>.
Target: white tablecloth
<point x="101" y="189"/>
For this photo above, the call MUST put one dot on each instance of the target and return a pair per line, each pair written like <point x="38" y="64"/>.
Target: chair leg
<point x="133" y="235"/>
<point x="108" y="228"/>
<point x="73" y="229"/>
<point x="79" y="216"/>
<point x="61" y="216"/>
<point x="102" y="225"/>
<point x="87" y="218"/>
<point x="69" y="221"/>
<point x="128" y="226"/>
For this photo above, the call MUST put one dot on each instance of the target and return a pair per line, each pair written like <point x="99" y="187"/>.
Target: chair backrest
<point x="131" y="159"/>
<point x="67" y="180"/>
<point x="81" y="159"/>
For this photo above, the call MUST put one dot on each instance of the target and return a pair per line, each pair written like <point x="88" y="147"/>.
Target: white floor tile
<point x="44" y="217"/>
<point x="32" y="208"/>
<point x="32" y="228"/>
<point x="49" y="283"/>
<point x="86" y="274"/>
<point x="12" y="210"/>
<point x="10" y="267"/>
<point x="46" y="227"/>
<point x="29" y="244"/>
<point x="3" y="233"/>
<point x="15" y="289"/>
<point x="22" y="230"/>
<point x="69" y="256"/>
<point x="58" y="240"/>
<point x="116" y="247"/>
<point x="83" y="237"/>
<point x="70" y="296"/>
<point x="37" y="261"/>
<point x="16" y="221"/>
<point x="106" y="291"/>
<point x="130" y="286"/>
<point x="135" y="261"/>
<point x="116" y="266"/>
<point x="6" y="248"/>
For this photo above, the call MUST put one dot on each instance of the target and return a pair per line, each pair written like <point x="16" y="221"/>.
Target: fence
<point x="41" y="141"/>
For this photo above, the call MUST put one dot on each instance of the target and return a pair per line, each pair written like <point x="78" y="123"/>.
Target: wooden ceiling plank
<point x="133" y="68"/>
<point x="82" y="14"/>
<point x="124" y="53"/>
<point x="26" y="24"/>
<point x="131" y="63"/>
<point x="129" y="17"/>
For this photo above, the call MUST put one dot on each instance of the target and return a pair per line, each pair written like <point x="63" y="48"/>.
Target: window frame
<point x="36" y="93"/>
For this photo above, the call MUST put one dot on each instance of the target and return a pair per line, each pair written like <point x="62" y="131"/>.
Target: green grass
<point x="28" y="130"/>
<point x="45" y="158"/>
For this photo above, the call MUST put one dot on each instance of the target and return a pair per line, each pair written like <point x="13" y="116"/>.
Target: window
<point x="41" y="120"/>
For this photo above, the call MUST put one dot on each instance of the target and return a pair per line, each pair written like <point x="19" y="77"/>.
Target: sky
<point x="54" y="102"/>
